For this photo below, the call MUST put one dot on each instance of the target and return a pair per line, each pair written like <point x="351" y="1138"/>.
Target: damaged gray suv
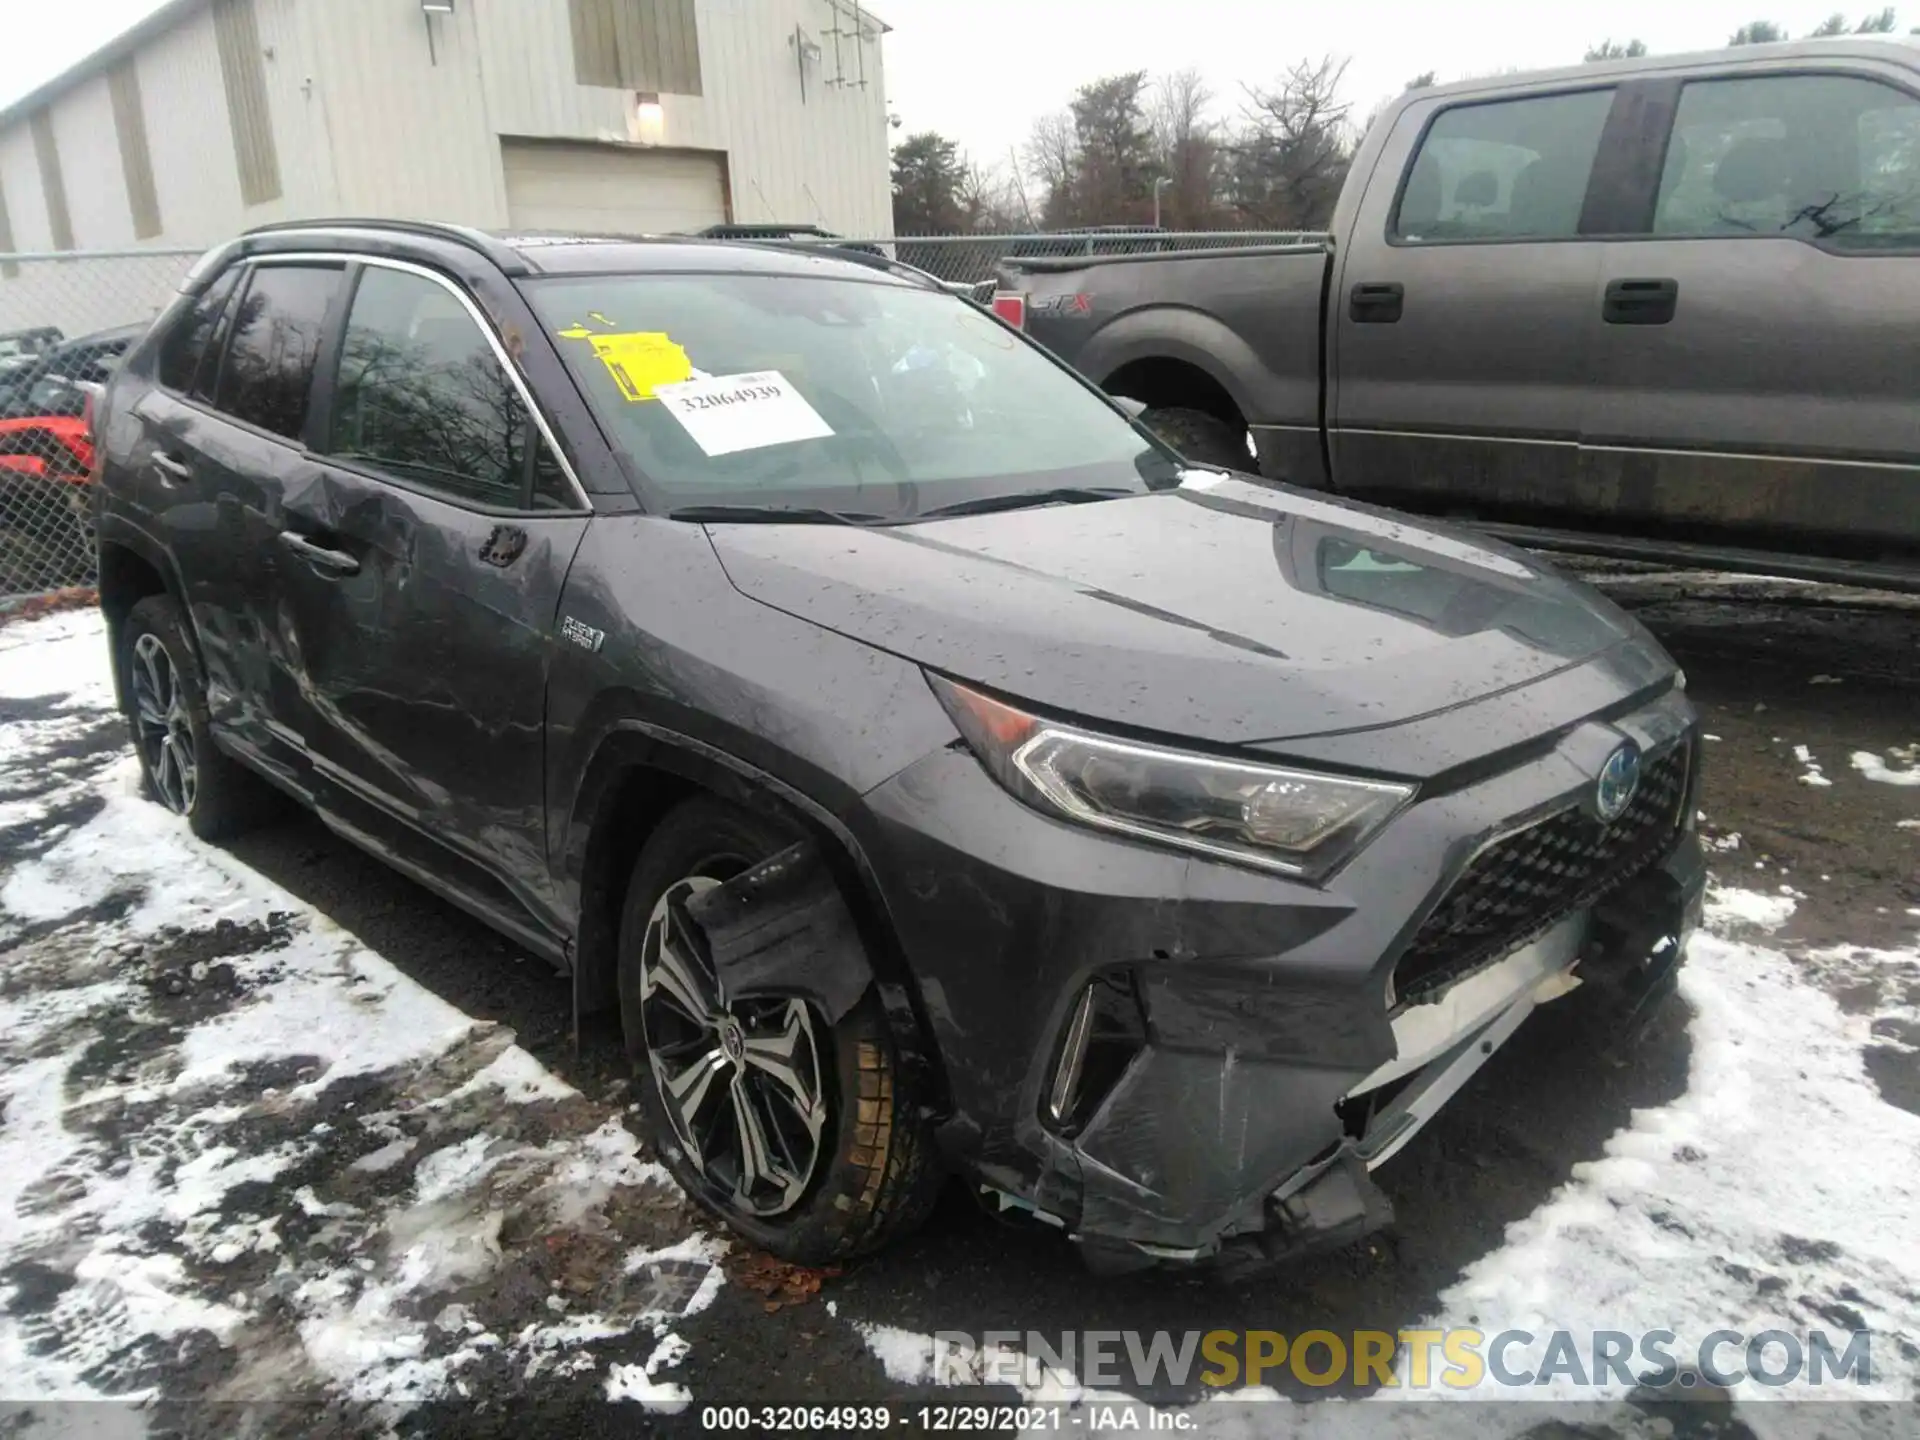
<point x="933" y="773"/>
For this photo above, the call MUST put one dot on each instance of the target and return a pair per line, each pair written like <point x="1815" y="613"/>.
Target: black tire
<point x="1202" y="438"/>
<point x="876" y="1173"/>
<point x="225" y="797"/>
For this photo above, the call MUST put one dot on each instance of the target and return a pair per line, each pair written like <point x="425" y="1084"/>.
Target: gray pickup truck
<point x="1666" y="308"/>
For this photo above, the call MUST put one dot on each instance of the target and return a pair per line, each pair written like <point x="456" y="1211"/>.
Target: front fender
<point x="628" y="742"/>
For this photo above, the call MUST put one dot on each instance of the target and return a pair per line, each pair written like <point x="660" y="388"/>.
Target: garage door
<point x="611" y="189"/>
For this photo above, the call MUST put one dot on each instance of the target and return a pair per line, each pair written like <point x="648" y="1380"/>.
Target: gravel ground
<point x="280" y="1127"/>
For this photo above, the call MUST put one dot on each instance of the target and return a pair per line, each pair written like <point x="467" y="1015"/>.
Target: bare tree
<point x="1290" y="158"/>
<point x="1186" y="140"/>
<point x="990" y="200"/>
<point x="1052" y="155"/>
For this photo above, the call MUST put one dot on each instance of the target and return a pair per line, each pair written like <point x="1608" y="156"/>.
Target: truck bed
<point x="1187" y="329"/>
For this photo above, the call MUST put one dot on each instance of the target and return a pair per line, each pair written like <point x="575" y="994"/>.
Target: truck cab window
<point x="1505" y="170"/>
<point x="1830" y="158"/>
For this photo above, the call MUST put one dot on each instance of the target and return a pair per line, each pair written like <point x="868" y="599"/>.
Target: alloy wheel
<point x="739" y="1076"/>
<point x="165" y="733"/>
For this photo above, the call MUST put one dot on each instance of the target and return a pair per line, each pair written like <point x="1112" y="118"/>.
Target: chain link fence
<point x="65" y="319"/>
<point x="975" y="259"/>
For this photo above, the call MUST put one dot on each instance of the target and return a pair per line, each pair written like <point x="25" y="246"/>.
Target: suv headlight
<point x="1294" y="822"/>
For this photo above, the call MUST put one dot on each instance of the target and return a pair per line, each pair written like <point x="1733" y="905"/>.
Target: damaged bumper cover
<point x="1172" y="1059"/>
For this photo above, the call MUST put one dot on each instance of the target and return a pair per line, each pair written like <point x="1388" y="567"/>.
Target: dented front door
<point x="419" y="633"/>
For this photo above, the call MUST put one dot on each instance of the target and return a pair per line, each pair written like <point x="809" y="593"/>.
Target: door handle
<point x="172" y="471"/>
<point x="1376" y="302"/>
<point x="330" y="562"/>
<point x="1640" y="302"/>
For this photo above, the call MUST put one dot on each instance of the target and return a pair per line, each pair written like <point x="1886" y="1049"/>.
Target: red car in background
<point x="55" y="447"/>
<point x="46" y="460"/>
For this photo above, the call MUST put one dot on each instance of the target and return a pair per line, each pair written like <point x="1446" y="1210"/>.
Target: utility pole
<point x="1160" y="182"/>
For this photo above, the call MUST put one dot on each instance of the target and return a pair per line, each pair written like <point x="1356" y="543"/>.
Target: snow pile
<point x="1812" y="775"/>
<point x="637" y="1382"/>
<point x="1875" y="768"/>
<point x="1777" y="1192"/>
<point x="1733" y="911"/>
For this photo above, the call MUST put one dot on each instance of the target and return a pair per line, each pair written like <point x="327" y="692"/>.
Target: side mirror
<point x="1134" y="408"/>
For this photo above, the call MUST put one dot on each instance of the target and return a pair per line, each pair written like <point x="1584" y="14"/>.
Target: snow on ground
<point x="1778" y="1192"/>
<point x="1813" y="774"/>
<point x="1875" y="767"/>
<point x="244" y="1157"/>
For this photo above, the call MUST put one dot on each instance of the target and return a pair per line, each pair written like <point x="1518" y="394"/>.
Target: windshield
<point x="840" y="397"/>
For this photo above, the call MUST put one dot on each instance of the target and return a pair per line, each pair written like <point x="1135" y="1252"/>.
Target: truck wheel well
<point x="1163" y="384"/>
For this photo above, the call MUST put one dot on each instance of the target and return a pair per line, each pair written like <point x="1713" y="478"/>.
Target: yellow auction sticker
<point x="638" y="360"/>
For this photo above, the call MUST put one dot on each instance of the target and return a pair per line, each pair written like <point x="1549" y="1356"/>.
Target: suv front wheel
<point x="801" y="1135"/>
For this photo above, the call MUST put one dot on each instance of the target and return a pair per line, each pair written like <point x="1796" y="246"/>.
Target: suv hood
<point x="1222" y="610"/>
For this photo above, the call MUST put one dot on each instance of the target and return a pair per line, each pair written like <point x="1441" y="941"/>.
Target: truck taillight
<point x="1011" y="306"/>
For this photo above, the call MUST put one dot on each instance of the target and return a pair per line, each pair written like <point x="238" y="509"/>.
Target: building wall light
<point x="649" y="119"/>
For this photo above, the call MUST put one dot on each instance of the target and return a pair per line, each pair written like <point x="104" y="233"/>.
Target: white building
<point x="611" y="115"/>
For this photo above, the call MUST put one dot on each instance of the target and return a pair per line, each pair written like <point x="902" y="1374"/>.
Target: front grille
<point x="1523" y="884"/>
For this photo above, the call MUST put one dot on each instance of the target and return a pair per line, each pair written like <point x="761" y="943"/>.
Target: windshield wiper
<point x="986" y="504"/>
<point x="771" y="515"/>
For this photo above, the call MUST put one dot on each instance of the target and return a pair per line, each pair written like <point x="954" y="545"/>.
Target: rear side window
<point x="1829" y="158"/>
<point x="422" y="396"/>
<point x="190" y="342"/>
<point x="1504" y="170"/>
<point x="277" y="329"/>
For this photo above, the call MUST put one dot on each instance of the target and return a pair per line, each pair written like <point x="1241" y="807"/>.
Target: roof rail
<point x="491" y="246"/>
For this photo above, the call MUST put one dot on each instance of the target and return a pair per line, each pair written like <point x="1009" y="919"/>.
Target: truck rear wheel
<point x="1202" y="438"/>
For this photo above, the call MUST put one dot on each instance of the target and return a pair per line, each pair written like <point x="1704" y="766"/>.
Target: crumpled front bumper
<point x="1624" y="956"/>
<point x="1270" y="1074"/>
<point x="1617" y="960"/>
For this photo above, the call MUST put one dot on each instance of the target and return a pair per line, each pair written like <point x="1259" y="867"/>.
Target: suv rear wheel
<point x="798" y="1133"/>
<point x="166" y="704"/>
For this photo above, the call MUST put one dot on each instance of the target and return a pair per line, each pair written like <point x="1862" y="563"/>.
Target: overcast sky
<point x="982" y="70"/>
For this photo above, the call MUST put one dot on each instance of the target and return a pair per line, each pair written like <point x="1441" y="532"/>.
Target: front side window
<point x="1504" y="170"/>
<point x="868" y="397"/>
<point x="277" y="328"/>
<point x="422" y="397"/>
<point x="1830" y="158"/>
